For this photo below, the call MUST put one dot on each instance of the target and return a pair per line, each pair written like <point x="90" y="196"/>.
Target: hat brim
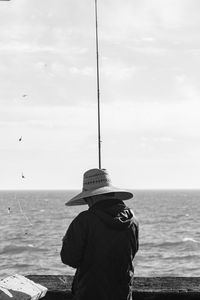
<point x="79" y="199"/>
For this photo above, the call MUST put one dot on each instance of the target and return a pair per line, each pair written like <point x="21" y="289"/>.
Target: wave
<point x="188" y="239"/>
<point x="171" y="243"/>
<point x="10" y="249"/>
<point x="21" y="265"/>
<point x="182" y="257"/>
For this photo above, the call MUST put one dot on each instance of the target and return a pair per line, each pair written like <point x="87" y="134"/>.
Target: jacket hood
<point x="114" y="214"/>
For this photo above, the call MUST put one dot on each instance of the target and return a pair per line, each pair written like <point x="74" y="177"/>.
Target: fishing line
<point x="22" y="177"/>
<point x="22" y="211"/>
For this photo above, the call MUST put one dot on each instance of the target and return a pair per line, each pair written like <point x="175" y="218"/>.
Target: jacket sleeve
<point x="74" y="242"/>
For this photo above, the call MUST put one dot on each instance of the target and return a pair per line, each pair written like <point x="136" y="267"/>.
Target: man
<point x="102" y="241"/>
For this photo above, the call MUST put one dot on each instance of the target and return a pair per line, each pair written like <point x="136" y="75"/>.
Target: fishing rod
<point x="98" y="89"/>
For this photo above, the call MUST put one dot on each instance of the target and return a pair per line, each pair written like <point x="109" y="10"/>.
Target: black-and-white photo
<point x="99" y="149"/>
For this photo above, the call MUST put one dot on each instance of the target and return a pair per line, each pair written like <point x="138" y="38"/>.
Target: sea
<point x="33" y="224"/>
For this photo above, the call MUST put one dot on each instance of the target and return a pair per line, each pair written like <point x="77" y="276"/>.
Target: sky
<point x="149" y="91"/>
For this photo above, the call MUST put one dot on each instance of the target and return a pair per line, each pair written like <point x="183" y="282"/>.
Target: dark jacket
<point x="101" y="244"/>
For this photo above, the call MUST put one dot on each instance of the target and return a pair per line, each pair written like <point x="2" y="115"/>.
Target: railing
<point x="151" y="288"/>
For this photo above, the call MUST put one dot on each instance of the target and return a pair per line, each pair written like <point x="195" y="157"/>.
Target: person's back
<point x="101" y="244"/>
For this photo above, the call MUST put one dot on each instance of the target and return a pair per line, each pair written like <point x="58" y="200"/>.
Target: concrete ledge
<point x="151" y="288"/>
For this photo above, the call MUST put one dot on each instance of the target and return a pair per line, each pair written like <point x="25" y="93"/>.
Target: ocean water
<point x="34" y="222"/>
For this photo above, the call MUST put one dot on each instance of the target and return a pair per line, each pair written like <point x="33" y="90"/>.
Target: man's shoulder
<point x="82" y="216"/>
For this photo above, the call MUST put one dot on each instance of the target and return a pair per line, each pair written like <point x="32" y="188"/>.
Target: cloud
<point x="187" y="88"/>
<point x="50" y="117"/>
<point x="159" y="139"/>
<point x="24" y="47"/>
<point x="151" y="50"/>
<point x="168" y="22"/>
<point x="156" y="120"/>
<point x="85" y="71"/>
<point x="172" y="120"/>
<point x="117" y="70"/>
<point x="168" y="14"/>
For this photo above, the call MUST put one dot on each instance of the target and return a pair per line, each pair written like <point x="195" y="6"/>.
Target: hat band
<point x="95" y="184"/>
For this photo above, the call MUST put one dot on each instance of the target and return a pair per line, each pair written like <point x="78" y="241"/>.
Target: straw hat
<point x="97" y="182"/>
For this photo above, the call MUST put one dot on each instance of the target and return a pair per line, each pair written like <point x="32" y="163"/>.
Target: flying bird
<point x="20" y="139"/>
<point x="23" y="176"/>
